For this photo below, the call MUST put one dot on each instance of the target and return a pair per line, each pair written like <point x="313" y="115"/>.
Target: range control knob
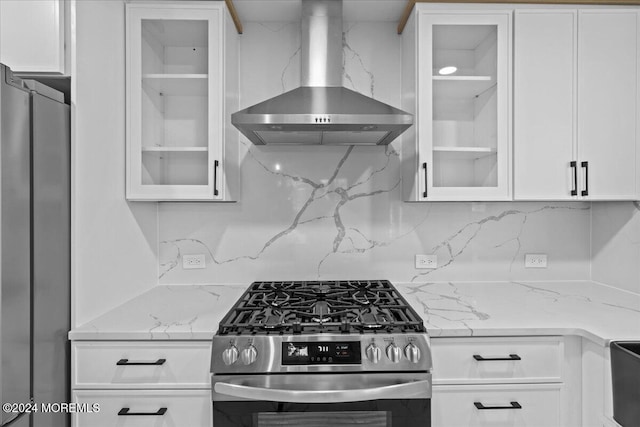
<point x="394" y="353"/>
<point x="249" y="355"/>
<point x="373" y="353"/>
<point x="412" y="352"/>
<point x="230" y="355"/>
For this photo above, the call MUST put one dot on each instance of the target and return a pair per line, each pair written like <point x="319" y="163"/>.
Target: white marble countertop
<point x="591" y="310"/>
<point x="166" y="312"/>
<point x="587" y="309"/>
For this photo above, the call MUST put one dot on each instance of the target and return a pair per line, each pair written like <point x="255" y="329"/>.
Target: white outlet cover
<point x="426" y="261"/>
<point x="535" y="261"/>
<point x="190" y="262"/>
<point x="478" y="207"/>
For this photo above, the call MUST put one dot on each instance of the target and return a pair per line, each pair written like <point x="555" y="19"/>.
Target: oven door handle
<point x="406" y="390"/>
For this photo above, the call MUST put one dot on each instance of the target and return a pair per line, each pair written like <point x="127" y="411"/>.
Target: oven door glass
<point x="377" y="413"/>
<point x="321" y="419"/>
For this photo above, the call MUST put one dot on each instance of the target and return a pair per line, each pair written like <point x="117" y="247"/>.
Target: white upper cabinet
<point x="576" y="112"/>
<point x="32" y="36"/>
<point x="608" y="104"/>
<point x="458" y="63"/>
<point x="182" y="82"/>
<point x="545" y="111"/>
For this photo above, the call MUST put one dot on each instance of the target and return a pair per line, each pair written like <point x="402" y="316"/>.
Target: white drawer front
<point x="191" y="408"/>
<point x="455" y="406"/>
<point x="185" y="365"/>
<point x="532" y="360"/>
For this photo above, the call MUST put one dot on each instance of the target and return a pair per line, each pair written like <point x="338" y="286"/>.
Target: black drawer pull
<point x="424" y="166"/>
<point x="574" y="166"/>
<point x="159" y="412"/>
<point x="585" y="165"/>
<point x="513" y="405"/>
<point x="215" y="177"/>
<point x="492" y="359"/>
<point x="125" y="362"/>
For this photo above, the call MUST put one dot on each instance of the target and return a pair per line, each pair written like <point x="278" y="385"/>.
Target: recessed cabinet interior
<point x="174" y="88"/>
<point x="464" y="106"/>
<point x="576" y="104"/>
<point x="180" y="63"/>
<point x="458" y="64"/>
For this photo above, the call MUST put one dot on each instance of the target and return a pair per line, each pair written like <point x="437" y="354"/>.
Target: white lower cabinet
<point x="532" y="405"/>
<point x="497" y="360"/>
<point x="129" y="408"/>
<point x="141" y="383"/>
<point x="142" y="365"/>
<point x="506" y="382"/>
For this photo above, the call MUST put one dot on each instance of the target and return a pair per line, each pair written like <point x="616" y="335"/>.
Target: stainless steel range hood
<point x="321" y="111"/>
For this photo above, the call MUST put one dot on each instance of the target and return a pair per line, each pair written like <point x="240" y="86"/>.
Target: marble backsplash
<point x="616" y="244"/>
<point x="337" y="212"/>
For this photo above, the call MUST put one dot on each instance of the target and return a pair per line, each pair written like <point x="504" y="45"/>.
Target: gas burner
<point x="276" y="298"/>
<point x="321" y="289"/>
<point x="321" y="307"/>
<point x="270" y="320"/>
<point x="365" y="297"/>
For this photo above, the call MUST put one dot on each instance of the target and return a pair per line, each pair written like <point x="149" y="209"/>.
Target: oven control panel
<point x="321" y="353"/>
<point x="325" y="353"/>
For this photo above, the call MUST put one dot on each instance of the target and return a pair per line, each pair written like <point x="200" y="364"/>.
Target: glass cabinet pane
<point x="174" y="104"/>
<point x="465" y="112"/>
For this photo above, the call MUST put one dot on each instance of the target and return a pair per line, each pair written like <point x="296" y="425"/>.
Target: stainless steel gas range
<point x="331" y="353"/>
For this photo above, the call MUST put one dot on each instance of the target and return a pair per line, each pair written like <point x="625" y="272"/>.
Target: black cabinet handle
<point x="125" y="362"/>
<point x="585" y="165"/>
<point x="513" y="405"/>
<point x="159" y="412"/>
<point x="215" y="177"/>
<point x="424" y="166"/>
<point x="574" y="166"/>
<point x="492" y="359"/>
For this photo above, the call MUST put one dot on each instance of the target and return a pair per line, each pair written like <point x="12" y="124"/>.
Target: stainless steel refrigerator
<point x="35" y="249"/>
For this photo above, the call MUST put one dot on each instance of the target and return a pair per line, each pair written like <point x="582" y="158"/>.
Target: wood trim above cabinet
<point x="405" y="15"/>
<point x="234" y="15"/>
<point x="411" y="3"/>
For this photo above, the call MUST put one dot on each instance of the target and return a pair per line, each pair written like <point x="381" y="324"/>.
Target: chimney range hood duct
<point x="321" y="111"/>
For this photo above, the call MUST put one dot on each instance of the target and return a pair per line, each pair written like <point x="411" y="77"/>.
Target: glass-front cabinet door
<point x="464" y="102"/>
<point x="174" y="94"/>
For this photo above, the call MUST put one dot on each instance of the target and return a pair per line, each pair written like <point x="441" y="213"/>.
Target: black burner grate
<point x="345" y="306"/>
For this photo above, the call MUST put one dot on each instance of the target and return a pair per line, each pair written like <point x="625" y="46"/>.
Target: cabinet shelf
<point x="458" y="78"/>
<point x="461" y="86"/>
<point x="465" y="153"/>
<point x="174" y="149"/>
<point x="177" y="84"/>
<point x="174" y="76"/>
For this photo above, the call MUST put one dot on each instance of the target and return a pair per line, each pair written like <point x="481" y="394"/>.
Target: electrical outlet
<point x="190" y="262"/>
<point x="478" y="207"/>
<point x="426" y="261"/>
<point x="535" y="261"/>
